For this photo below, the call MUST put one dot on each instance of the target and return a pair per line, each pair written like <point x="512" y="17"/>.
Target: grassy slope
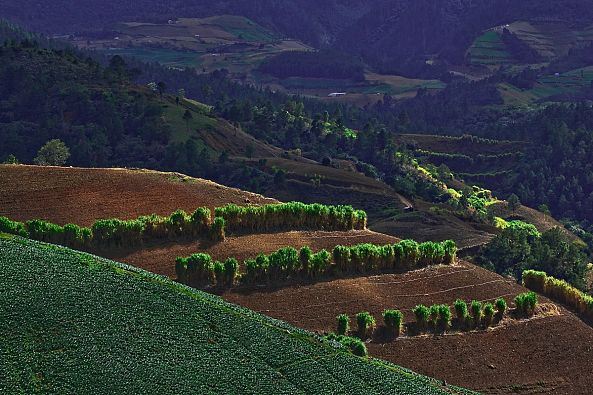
<point x="75" y="323"/>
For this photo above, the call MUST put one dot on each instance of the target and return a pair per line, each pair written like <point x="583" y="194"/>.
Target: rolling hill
<point x="391" y="35"/>
<point x="482" y="360"/>
<point x="146" y="334"/>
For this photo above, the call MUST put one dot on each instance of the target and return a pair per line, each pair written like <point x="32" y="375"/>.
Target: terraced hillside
<point x="473" y="359"/>
<point x="512" y="357"/>
<point x="500" y="360"/>
<point x="70" y="315"/>
<point x="82" y="196"/>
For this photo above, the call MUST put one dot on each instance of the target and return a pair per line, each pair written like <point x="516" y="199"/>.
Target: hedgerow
<point x="13" y="227"/>
<point x="560" y="291"/>
<point x="291" y="216"/>
<point x="120" y="233"/>
<point x="290" y="264"/>
<point x="405" y="255"/>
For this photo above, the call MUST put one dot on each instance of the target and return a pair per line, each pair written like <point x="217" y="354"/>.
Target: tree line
<point x="290" y="264"/>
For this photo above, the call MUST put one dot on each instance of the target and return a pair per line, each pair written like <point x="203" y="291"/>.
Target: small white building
<point x="336" y="94"/>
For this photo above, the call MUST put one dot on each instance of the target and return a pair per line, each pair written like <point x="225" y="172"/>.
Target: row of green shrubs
<point x="559" y="290"/>
<point x="289" y="263"/>
<point x="437" y="317"/>
<point x="120" y="233"/>
<point x="126" y="233"/>
<point x="201" y="269"/>
<point x="291" y="216"/>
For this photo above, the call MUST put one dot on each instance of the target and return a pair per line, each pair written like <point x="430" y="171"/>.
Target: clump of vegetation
<point x="488" y="314"/>
<point x="535" y="280"/>
<point x="343" y="324"/>
<point x="526" y="303"/>
<point x="366" y="323"/>
<point x="53" y="153"/>
<point x="305" y="255"/>
<point x="393" y="321"/>
<point x="291" y="216"/>
<point x="476" y="308"/>
<point x="217" y="230"/>
<point x="444" y="317"/>
<point x="461" y="312"/>
<point x="561" y="291"/>
<point x="353" y="344"/>
<point x="501" y="306"/>
<point x="197" y="269"/>
<point x="422" y="314"/>
<point x="119" y="233"/>
<point x="521" y="247"/>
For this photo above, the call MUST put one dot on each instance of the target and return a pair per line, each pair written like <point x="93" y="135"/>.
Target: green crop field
<point x="76" y="323"/>
<point x="489" y="49"/>
<point x="167" y="57"/>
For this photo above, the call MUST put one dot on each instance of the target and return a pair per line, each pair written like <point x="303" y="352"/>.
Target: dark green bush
<point x="305" y="254"/>
<point x="74" y="236"/>
<point x="461" y="312"/>
<point x="476" y="307"/>
<point x="526" y="303"/>
<point x="231" y="271"/>
<point x="284" y="263"/>
<point x="201" y="221"/>
<point x="200" y="269"/>
<point x="434" y="315"/>
<point x="13" y="227"/>
<point x="217" y="231"/>
<point x="319" y="263"/>
<point x="218" y="268"/>
<point x="366" y="323"/>
<point x="422" y="313"/>
<point x="488" y="314"/>
<point x="501" y="306"/>
<point x="393" y="321"/>
<point x="45" y="231"/>
<point x="444" y="320"/>
<point x="354" y="345"/>
<point x="343" y="324"/>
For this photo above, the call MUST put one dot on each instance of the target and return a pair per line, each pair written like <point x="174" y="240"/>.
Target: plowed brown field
<point x="547" y="354"/>
<point x="82" y="196"/>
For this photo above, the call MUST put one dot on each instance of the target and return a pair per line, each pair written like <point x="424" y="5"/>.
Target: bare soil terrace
<point x="82" y="196"/>
<point x="546" y="354"/>
<point x="160" y="259"/>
